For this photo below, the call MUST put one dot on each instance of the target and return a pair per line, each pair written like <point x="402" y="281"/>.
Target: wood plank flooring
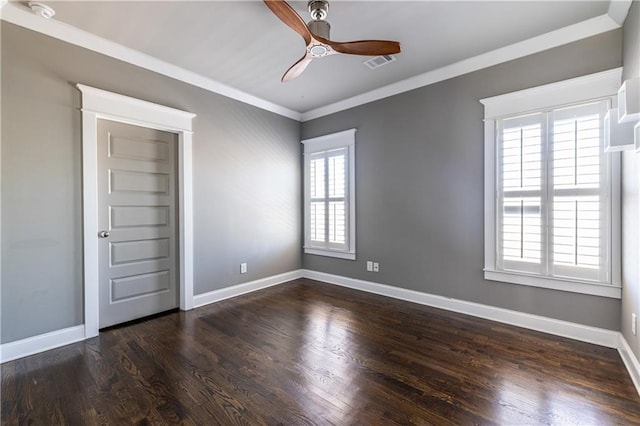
<point x="306" y="353"/>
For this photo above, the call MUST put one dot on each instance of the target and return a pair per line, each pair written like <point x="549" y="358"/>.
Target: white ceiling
<point x="243" y="45"/>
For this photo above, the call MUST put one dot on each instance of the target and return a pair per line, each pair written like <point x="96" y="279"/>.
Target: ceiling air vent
<point x="379" y="61"/>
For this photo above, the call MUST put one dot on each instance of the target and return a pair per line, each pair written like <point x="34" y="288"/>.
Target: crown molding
<point x="613" y="19"/>
<point x="618" y="10"/>
<point x="16" y="14"/>
<point x="579" y="31"/>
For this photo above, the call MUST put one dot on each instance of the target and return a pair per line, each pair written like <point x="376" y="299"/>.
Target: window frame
<point x="598" y="86"/>
<point x="313" y="146"/>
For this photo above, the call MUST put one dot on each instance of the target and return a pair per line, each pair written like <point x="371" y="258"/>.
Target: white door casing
<point x="100" y="104"/>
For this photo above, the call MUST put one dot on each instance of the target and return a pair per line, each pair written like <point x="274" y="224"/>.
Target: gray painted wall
<point x="246" y="180"/>
<point x="630" y="192"/>
<point x="419" y="185"/>
<point x="247" y="192"/>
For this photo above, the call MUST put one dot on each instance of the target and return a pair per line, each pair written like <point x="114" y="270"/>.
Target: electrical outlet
<point x="376" y="267"/>
<point x="634" y="324"/>
<point x="243" y="268"/>
<point x="369" y="266"/>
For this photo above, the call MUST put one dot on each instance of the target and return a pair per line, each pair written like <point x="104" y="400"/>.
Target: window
<point x="329" y="195"/>
<point x="551" y="192"/>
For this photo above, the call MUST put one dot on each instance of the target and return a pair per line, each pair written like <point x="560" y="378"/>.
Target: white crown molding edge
<point x="584" y="333"/>
<point x="618" y="10"/>
<point x="244" y="288"/>
<point x="15" y="14"/>
<point x="569" y="34"/>
<point x="630" y="361"/>
<point x="40" y="343"/>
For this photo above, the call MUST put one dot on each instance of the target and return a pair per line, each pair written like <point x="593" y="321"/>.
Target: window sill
<point x="330" y="253"/>
<point x="573" y="286"/>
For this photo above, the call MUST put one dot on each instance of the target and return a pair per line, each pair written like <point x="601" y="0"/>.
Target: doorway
<point x="98" y="105"/>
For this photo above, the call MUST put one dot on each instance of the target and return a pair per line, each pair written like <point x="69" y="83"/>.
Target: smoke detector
<point x="42" y="10"/>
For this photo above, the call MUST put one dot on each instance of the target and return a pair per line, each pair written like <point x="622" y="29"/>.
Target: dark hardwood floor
<point x="311" y="353"/>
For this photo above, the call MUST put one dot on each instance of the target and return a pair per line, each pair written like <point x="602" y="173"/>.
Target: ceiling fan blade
<point x="366" y="47"/>
<point x="290" y="17"/>
<point x="297" y="68"/>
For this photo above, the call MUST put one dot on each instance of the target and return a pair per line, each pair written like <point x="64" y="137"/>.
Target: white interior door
<point x="137" y="221"/>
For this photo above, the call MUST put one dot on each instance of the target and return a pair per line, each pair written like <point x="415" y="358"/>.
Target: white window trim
<point x="343" y="139"/>
<point x="581" y="89"/>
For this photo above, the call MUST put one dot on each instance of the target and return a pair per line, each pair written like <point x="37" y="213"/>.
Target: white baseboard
<point x="599" y="336"/>
<point x="237" y="290"/>
<point x="584" y="333"/>
<point x="630" y="361"/>
<point x="54" y="339"/>
<point x="40" y="343"/>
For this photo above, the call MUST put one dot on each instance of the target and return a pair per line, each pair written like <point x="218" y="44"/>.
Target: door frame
<point x="101" y="104"/>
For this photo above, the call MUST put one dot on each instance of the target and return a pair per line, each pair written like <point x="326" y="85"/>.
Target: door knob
<point x="104" y="234"/>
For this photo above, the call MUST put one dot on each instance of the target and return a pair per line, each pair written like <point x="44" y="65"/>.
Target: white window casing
<point x="329" y="195"/>
<point x="552" y="196"/>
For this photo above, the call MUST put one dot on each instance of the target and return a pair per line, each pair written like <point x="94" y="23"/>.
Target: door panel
<point x="137" y="207"/>
<point x="122" y="147"/>
<point x="139" y="251"/>
<point x="137" y="216"/>
<point x="150" y="183"/>
<point x="138" y="285"/>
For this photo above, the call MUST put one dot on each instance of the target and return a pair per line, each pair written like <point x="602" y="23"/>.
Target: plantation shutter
<point x="553" y="193"/>
<point x="521" y="194"/>
<point x="318" y="205"/>
<point x="579" y="193"/>
<point x="328" y="199"/>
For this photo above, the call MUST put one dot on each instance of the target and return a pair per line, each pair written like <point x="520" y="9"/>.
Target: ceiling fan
<point x="316" y="36"/>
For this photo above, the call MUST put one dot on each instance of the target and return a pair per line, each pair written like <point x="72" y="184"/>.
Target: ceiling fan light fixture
<point x="318" y="50"/>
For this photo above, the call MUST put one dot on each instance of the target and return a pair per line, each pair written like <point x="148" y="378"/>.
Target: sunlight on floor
<point x="518" y="399"/>
<point x="326" y="356"/>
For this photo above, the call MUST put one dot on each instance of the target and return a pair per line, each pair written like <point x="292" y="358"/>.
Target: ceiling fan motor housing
<point x="320" y="28"/>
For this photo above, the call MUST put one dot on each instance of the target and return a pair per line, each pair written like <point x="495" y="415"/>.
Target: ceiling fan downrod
<point x="318" y="10"/>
